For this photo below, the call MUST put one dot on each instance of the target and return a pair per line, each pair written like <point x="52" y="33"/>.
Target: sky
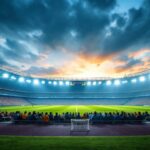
<point x="75" y="38"/>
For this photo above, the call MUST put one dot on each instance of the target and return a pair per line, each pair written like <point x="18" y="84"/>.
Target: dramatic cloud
<point x="102" y="5"/>
<point x="131" y="30"/>
<point x="74" y="37"/>
<point x="39" y="71"/>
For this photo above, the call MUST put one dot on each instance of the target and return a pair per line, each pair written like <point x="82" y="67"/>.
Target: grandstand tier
<point x="132" y="92"/>
<point x="14" y="101"/>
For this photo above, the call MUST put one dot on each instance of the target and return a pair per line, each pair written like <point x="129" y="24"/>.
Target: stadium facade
<point x="18" y="89"/>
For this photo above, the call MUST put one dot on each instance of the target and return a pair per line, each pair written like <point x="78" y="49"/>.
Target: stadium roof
<point x="79" y="78"/>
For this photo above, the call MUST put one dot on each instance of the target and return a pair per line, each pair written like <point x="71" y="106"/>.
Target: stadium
<point x="74" y="74"/>
<point x="24" y="90"/>
<point x="75" y="99"/>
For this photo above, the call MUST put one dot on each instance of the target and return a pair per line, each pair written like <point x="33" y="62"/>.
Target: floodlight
<point x="124" y="81"/>
<point x="43" y="81"/>
<point x="13" y="78"/>
<point x="142" y="79"/>
<point x="21" y="79"/>
<point x="55" y="83"/>
<point x="94" y="83"/>
<point x="35" y="81"/>
<point x="49" y="82"/>
<point x="133" y="80"/>
<point x="67" y="83"/>
<point x="108" y="82"/>
<point x="99" y="82"/>
<point x="117" y="82"/>
<point x="28" y="81"/>
<point x="5" y="75"/>
<point x="61" y="83"/>
<point x="89" y="83"/>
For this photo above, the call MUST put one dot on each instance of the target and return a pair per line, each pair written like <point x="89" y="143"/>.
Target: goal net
<point x="80" y="125"/>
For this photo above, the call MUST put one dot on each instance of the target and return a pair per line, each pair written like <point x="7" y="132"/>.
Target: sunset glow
<point x="75" y="38"/>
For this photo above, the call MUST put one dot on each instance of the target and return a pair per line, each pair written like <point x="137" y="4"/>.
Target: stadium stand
<point x="139" y="101"/>
<point x="13" y="101"/>
<point x="94" y="117"/>
<point x="77" y="101"/>
<point x="16" y="97"/>
<point x="13" y="92"/>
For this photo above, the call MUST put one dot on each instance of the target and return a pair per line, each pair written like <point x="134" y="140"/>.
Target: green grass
<point x="74" y="143"/>
<point x="76" y="108"/>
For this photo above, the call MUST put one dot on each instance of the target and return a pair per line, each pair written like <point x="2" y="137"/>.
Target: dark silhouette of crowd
<point x="94" y="117"/>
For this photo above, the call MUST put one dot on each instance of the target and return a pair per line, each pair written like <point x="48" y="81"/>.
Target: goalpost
<point x="80" y="125"/>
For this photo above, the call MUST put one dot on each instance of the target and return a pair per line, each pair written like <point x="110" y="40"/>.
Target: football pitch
<point x="75" y="143"/>
<point x="76" y="108"/>
<point x="78" y="142"/>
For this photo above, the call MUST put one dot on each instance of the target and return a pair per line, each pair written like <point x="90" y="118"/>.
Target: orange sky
<point x="86" y="65"/>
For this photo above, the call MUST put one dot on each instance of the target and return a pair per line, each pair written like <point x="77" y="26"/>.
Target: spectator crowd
<point x="95" y="117"/>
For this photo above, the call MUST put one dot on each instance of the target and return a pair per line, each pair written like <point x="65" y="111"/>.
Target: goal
<point x="80" y="125"/>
